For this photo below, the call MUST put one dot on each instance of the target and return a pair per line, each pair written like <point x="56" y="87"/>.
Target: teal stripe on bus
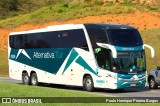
<point x="47" y="59"/>
<point x="71" y="58"/>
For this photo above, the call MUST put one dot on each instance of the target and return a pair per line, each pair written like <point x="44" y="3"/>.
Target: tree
<point x="9" y="5"/>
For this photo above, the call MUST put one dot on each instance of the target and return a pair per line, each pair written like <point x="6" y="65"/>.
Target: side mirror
<point x="158" y="68"/>
<point x="151" y="48"/>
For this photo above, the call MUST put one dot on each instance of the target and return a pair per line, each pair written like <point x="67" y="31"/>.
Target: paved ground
<point x="136" y="92"/>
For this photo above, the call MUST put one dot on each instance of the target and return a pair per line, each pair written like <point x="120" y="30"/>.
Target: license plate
<point x="132" y="85"/>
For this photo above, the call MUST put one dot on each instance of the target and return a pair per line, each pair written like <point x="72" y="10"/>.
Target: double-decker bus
<point x="89" y="55"/>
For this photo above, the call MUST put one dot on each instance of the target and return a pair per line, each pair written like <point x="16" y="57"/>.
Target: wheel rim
<point x="88" y="83"/>
<point x="25" y="78"/>
<point x="151" y="83"/>
<point x="34" y="80"/>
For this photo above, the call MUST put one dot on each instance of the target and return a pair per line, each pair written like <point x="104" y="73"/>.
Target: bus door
<point x="103" y="60"/>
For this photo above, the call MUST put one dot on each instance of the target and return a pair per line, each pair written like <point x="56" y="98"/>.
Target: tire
<point x="88" y="83"/>
<point x="152" y="83"/>
<point x="25" y="78"/>
<point x="34" y="79"/>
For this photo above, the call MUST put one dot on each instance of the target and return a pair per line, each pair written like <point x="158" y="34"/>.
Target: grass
<point x="63" y="12"/>
<point x="36" y="91"/>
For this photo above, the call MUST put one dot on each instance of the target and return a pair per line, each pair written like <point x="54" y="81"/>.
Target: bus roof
<point x="74" y="26"/>
<point x="109" y="26"/>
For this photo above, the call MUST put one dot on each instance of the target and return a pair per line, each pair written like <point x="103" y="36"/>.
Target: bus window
<point x="11" y="41"/>
<point x="18" y="42"/>
<point x="56" y="39"/>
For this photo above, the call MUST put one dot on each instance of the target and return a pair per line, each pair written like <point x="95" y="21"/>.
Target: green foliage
<point x="11" y="8"/>
<point x="117" y="1"/>
<point x="95" y="2"/>
<point x="127" y="3"/>
<point x="9" y="5"/>
<point x="63" y="12"/>
<point x="35" y="91"/>
<point x="66" y="5"/>
<point x="152" y="8"/>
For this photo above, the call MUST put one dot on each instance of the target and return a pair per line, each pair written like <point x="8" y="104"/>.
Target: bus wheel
<point x="34" y="79"/>
<point x="88" y="83"/>
<point x="25" y="78"/>
<point x="152" y="83"/>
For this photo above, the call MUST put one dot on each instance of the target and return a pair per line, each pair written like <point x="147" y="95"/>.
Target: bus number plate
<point x="132" y="85"/>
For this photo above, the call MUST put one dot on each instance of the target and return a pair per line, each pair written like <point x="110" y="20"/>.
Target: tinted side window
<point x="16" y="42"/>
<point x="56" y="39"/>
<point x="35" y="40"/>
<point x="11" y="41"/>
<point x="73" y="38"/>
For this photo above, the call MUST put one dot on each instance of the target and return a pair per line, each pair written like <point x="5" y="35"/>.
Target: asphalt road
<point x="132" y="92"/>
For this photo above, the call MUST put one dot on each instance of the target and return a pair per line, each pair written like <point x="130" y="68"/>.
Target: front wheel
<point x="34" y="79"/>
<point x="152" y="83"/>
<point x="88" y="83"/>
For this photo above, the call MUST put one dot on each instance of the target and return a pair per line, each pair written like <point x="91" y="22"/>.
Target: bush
<point x="9" y="5"/>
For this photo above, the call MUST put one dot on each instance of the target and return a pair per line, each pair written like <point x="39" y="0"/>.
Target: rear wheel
<point x="25" y="78"/>
<point x="34" y="79"/>
<point x="152" y="83"/>
<point x="88" y="83"/>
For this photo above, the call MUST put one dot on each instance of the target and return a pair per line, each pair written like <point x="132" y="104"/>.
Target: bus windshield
<point x="124" y="37"/>
<point x="129" y="62"/>
<point x="126" y="62"/>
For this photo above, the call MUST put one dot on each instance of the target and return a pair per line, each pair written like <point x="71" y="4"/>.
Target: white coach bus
<point x="89" y="55"/>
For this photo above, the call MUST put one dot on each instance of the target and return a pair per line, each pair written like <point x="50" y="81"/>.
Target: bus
<point x="110" y="56"/>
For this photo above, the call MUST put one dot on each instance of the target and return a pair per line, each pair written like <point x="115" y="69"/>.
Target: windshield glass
<point x="129" y="62"/>
<point x="124" y="37"/>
